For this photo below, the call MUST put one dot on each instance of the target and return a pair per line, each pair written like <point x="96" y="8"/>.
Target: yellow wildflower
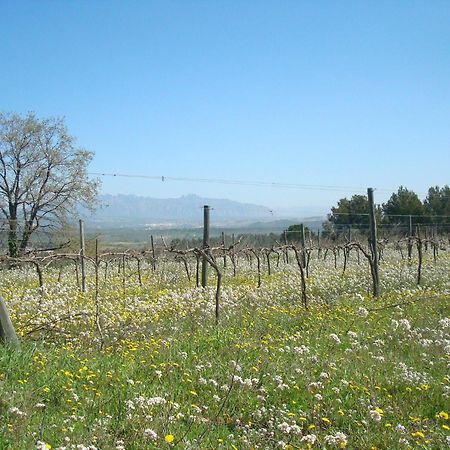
<point x="169" y="438"/>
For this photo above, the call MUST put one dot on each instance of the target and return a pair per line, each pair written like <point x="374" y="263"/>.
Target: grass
<point x="351" y="372"/>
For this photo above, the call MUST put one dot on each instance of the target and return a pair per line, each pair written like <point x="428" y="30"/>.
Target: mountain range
<point x="126" y="210"/>
<point x="183" y="210"/>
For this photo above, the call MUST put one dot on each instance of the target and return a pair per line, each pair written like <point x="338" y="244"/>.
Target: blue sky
<point x="344" y="93"/>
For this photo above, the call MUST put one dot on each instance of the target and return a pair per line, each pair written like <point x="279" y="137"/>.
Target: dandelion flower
<point x="169" y="438"/>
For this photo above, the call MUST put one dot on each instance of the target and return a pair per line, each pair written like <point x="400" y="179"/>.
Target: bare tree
<point x="42" y="176"/>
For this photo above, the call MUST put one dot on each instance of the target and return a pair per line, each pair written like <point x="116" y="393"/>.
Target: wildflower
<point x="16" y="411"/>
<point x="339" y="439"/>
<point x="362" y="312"/>
<point x="309" y="439"/>
<point x="418" y="434"/>
<point x="41" y="445"/>
<point x="335" y="338"/>
<point x="284" y="427"/>
<point x="169" y="438"/>
<point x="150" y="435"/>
<point x="375" y="415"/>
<point x="404" y="323"/>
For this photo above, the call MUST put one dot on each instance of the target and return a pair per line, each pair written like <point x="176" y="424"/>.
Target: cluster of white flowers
<point x="315" y="386"/>
<point x="309" y="439"/>
<point x="375" y="415"/>
<point x="41" y="445"/>
<point x="72" y="447"/>
<point x="235" y="366"/>
<point x="301" y="350"/>
<point x="120" y="445"/>
<point x="150" y="435"/>
<point x="404" y="324"/>
<point x="17" y="412"/>
<point x="281" y="385"/>
<point x="411" y="376"/>
<point x="338" y="439"/>
<point x="362" y="312"/>
<point x="287" y="428"/>
<point x="245" y="382"/>
<point x="334" y="337"/>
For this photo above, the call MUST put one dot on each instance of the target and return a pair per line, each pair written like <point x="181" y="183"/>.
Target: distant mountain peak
<point x="184" y="209"/>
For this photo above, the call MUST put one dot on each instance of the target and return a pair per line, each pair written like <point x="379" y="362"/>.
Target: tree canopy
<point x="353" y="213"/>
<point x="437" y="204"/>
<point x="293" y="233"/>
<point x="43" y="176"/>
<point x="400" y="205"/>
<point x="349" y="213"/>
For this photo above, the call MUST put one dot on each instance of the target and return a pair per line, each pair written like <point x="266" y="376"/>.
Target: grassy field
<point x="146" y="368"/>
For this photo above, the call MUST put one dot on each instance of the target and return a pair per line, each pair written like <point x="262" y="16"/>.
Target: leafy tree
<point x="437" y="204"/>
<point x="400" y="205"/>
<point x="42" y="176"/>
<point x="350" y="213"/>
<point x="294" y="233"/>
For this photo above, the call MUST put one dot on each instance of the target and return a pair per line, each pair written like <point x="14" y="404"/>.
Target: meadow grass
<point x="349" y="372"/>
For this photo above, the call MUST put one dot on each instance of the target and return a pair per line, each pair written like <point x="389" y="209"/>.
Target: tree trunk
<point x="12" y="235"/>
<point x="25" y="238"/>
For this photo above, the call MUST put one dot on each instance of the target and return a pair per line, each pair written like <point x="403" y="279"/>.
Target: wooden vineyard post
<point x="410" y="237"/>
<point x="153" y="253"/>
<point x="224" y="254"/>
<point x="205" y="245"/>
<point x="286" y="254"/>
<point x="82" y="259"/>
<point x="373" y="244"/>
<point x="8" y="335"/>
<point x="318" y="243"/>
<point x="233" y="254"/>
<point x="302" y="243"/>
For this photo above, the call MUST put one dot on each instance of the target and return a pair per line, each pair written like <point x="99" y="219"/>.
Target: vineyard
<point x="312" y="345"/>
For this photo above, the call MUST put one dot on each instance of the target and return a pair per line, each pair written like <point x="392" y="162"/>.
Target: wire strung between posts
<point x="274" y="184"/>
<point x="164" y="178"/>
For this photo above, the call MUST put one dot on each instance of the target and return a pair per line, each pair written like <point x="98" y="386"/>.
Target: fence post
<point x="82" y="259"/>
<point x="153" y="252"/>
<point x="373" y="244"/>
<point x="410" y="235"/>
<point x="318" y="243"/>
<point x="205" y="245"/>
<point x="286" y="254"/>
<point x="8" y="335"/>
<point x="302" y="243"/>
<point x="224" y="253"/>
